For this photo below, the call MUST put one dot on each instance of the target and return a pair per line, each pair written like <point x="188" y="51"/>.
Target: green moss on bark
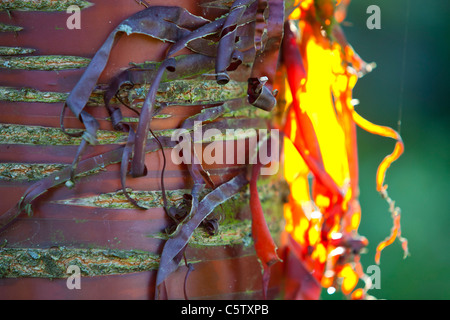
<point x="53" y="262"/>
<point x="42" y="5"/>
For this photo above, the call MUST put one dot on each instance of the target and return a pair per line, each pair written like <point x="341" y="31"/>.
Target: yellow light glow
<point x="350" y="279"/>
<point x="356" y="219"/>
<point x="313" y="236"/>
<point x="327" y="282"/>
<point x="300" y="230"/>
<point x="358" y="294"/>
<point x="289" y="223"/>
<point x="320" y="253"/>
<point x="317" y="102"/>
<point x="294" y="165"/>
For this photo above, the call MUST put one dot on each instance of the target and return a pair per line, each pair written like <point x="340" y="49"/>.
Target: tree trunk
<point x="91" y="225"/>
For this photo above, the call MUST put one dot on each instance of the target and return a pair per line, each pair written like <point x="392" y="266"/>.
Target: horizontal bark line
<point x="53" y="262"/>
<point x="15" y="174"/>
<point x="10" y="51"/>
<point x="51" y="136"/>
<point x="187" y="92"/>
<point x="9" y="28"/>
<point x="151" y="199"/>
<point x="42" y="5"/>
<point x="28" y="171"/>
<point x="31" y="95"/>
<point x="36" y="135"/>
<point x="43" y="63"/>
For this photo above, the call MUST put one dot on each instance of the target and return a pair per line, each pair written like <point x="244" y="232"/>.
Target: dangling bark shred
<point x="270" y="27"/>
<point x="265" y="247"/>
<point x="173" y="248"/>
<point x="380" y="177"/>
<point x="227" y="40"/>
<point x="137" y="166"/>
<point x="190" y="268"/>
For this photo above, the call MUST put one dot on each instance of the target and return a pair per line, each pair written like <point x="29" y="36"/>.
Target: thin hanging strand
<point x="402" y="81"/>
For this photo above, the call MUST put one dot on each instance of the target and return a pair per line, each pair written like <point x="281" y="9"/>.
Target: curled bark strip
<point x="76" y="160"/>
<point x="381" y="175"/>
<point x="266" y="59"/>
<point x="260" y="36"/>
<point x="162" y="22"/>
<point x="236" y="59"/>
<point x="227" y="42"/>
<point x="211" y="226"/>
<point x="190" y="268"/>
<point x="88" y="136"/>
<point x="259" y="95"/>
<point x="168" y="210"/>
<point x="208" y="29"/>
<point x="173" y="248"/>
<point x="63" y="128"/>
<point x="114" y="112"/>
<point x="79" y="96"/>
<point x="127" y="151"/>
<point x="137" y="165"/>
<point x="195" y="40"/>
<point x="197" y="173"/>
<point x="384" y="132"/>
<point x="198" y="43"/>
<point x="116" y="118"/>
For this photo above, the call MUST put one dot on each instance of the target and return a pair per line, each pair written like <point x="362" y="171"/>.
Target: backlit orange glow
<point x="320" y="147"/>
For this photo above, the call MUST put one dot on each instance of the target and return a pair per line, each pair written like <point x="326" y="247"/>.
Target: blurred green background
<point x="411" y="50"/>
